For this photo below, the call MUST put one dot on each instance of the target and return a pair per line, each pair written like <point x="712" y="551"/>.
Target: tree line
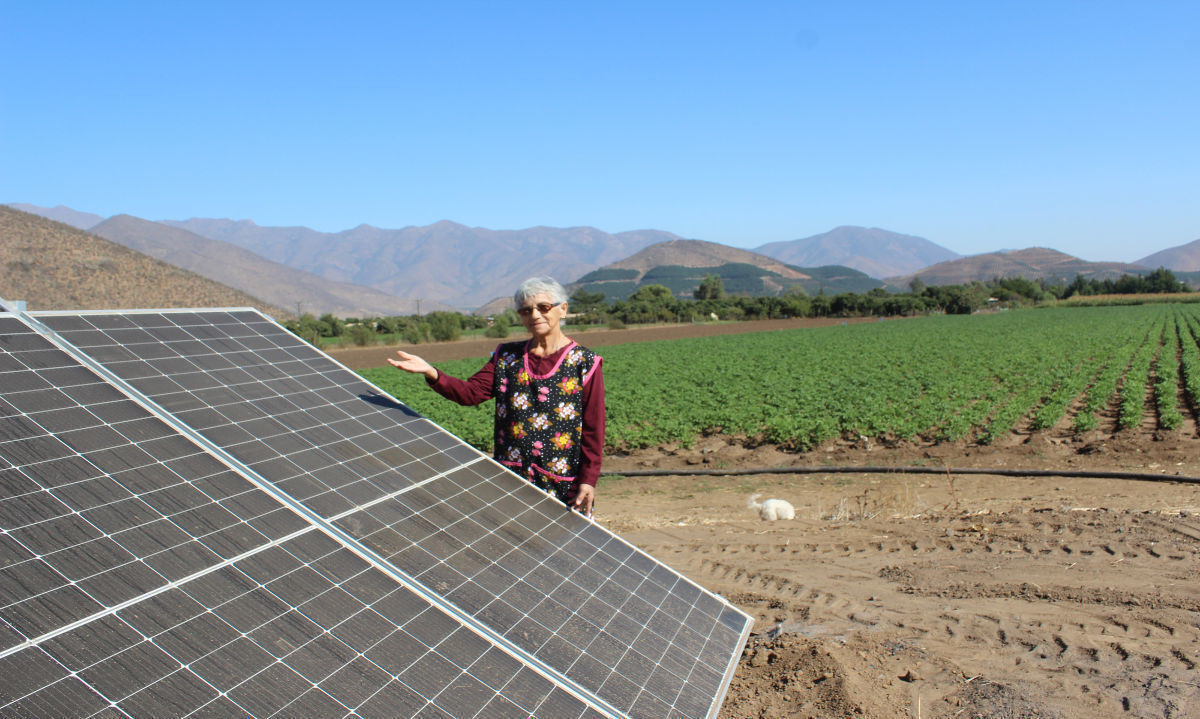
<point x="437" y="326"/>
<point x="656" y="303"/>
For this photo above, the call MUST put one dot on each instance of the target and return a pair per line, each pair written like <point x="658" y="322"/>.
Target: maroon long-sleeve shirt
<point x="479" y="388"/>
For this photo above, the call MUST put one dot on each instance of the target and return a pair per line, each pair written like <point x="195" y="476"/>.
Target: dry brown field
<point x="376" y="356"/>
<point x="941" y="595"/>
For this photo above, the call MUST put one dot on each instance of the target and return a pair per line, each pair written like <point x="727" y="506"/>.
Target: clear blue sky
<point x="977" y="125"/>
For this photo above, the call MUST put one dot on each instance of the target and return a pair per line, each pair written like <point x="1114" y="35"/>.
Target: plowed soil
<point x="941" y="595"/>
<point x="376" y="356"/>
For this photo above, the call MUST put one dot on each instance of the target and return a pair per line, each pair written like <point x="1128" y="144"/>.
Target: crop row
<point x="940" y="378"/>
<point x="1188" y="330"/>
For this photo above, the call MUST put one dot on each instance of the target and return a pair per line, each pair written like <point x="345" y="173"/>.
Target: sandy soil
<point x="940" y="595"/>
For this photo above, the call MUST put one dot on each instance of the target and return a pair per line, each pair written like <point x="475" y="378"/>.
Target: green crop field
<point x="945" y="378"/>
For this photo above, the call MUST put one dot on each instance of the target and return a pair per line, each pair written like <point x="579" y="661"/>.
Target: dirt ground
<point x="936" y="595"/>
<point x="357" y="358"/>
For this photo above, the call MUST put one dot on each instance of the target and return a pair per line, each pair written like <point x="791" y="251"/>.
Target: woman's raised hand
<point x="414" y="364"/>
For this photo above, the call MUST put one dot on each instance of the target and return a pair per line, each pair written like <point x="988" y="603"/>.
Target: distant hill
<point x="54" y="266"/>
<point x="452" y="263"/>
<point x="63" y="214"/>
<point x="1184" y="258"/>
<point x="680" y="265"/>
<point x="1034" y="263"/>
<point x="878" y="253"/>
<point x="698" y="253"/>
<point x="231" y="265"/>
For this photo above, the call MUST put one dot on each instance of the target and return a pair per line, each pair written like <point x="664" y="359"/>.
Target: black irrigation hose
<point x="1086" y="474"/>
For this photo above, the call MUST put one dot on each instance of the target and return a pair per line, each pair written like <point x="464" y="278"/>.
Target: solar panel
<point x="607" y="623"/>
<point x="141" y="576"/>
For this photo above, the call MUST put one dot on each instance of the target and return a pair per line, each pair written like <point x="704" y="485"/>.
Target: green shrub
<point x="498" y="330"/>
<point x="445" y="326"/>
<point x="361" y="335"/>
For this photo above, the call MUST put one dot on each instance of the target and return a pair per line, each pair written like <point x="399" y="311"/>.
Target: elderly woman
<point x="549" y="395"/>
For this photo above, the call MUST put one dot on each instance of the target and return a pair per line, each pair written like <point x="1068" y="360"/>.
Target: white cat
<point x="772" y="509"/>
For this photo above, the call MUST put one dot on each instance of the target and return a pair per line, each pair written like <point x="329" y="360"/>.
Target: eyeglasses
<point x="542" y="308"/>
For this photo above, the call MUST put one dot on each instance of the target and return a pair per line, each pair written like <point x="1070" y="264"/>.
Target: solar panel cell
<point x="34" y="672"/>
<point x="26" y="509"/>
<point x="19" y="339"/>
<point x="50" y="609"/>
<point x="32" y="397"/>
<point x="394" y="699"/>
<point x="183" y="560"/>
<point x="362" y="630"/>
<point x="177" y="694"/>
<point x="270" y="690"/>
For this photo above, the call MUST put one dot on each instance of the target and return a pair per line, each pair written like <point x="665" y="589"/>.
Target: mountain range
<point x="448" y="262"/>
<point x="273" y="282"/>
<point x="374" y="271"/>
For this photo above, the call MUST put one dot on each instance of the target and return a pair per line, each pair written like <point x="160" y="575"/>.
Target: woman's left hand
<point x="584" y="499"/>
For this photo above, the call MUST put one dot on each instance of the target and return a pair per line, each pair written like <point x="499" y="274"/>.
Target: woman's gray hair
<point x="535" y="286"/>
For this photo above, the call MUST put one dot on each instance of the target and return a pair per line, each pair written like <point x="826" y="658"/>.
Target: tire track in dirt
<point x="990" y="590"/>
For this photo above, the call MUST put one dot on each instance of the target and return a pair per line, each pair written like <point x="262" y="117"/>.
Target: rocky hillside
<point x="698" y="253"/>
<point x="1184" y="258"/>
<point x="680" y="265"/>
<point x="1034" y="263"/>
<point x="53" y="266"/>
